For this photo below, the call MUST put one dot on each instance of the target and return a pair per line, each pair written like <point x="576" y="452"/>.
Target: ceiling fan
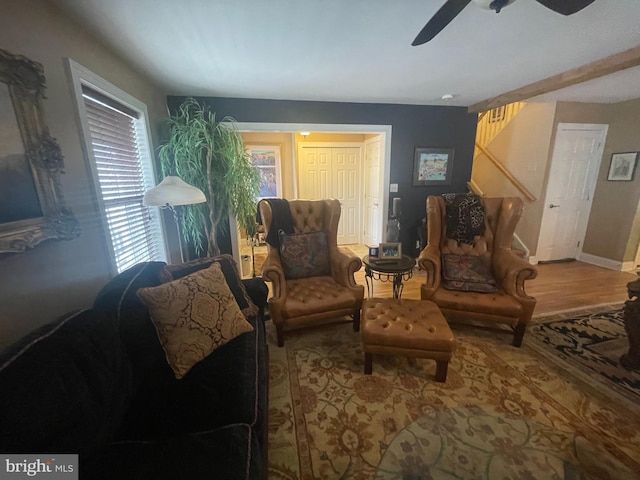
<point x="453" y="7"/>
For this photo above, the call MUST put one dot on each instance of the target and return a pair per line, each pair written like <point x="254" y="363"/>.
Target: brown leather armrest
<point x="429" y="260"/>
<point x="272" y="272"/>
<point x="343" y="268"/>
<point x="511" y="272"/>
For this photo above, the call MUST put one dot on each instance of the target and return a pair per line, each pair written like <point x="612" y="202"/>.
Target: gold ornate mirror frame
<point x="37" y="168"/>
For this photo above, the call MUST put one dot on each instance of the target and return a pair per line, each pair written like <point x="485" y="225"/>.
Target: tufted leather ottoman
<point x="412" y="328"/>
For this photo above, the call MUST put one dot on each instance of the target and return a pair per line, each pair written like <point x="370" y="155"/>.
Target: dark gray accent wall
<point x="412" y="126"/>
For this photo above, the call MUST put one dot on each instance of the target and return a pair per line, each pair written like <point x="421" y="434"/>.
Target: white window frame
<point x="82" y="76"/>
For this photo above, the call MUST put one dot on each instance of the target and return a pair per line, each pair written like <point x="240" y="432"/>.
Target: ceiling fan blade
<point x="566" y="7"/>
<point x="441" y="19"/>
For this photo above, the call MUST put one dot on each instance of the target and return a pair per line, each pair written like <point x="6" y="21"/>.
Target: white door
<point x="334" y="172"/>
<point x="346" y="188"/>
<point x="372" y="192"/>
<point x="572" y="179"/>
<point x="315" y="172"/>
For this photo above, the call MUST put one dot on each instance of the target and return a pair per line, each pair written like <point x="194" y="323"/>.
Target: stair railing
<point x="490" y="124"/>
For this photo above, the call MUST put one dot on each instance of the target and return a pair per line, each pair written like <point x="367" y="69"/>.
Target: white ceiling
<point x="360" y="50"/>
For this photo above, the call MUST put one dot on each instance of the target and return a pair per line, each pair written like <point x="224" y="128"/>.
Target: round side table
<point x="396" y="271"/>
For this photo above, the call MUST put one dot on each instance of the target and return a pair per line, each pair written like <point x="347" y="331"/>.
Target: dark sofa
<point x="97" y="383"/>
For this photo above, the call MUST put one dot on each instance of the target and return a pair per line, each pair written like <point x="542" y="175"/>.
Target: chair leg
<point x="280" y="335"/>
<point x="518" y="334"/>
<point x="368" y="363"/>
<point x="441" y="370"/>
<point x="356" y="321"/>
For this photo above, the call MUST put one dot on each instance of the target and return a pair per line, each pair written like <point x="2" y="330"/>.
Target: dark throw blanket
<point x="465" y="216"/>
<point x="281" y="220"/>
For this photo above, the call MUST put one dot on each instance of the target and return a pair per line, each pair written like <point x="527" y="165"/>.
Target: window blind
<point x="125" y="172"/>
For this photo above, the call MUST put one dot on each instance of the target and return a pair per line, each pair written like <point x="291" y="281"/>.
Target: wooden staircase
<point x="490" y="125"/>
<point x="492" y="122"/>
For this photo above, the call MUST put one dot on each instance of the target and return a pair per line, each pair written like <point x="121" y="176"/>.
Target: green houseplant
<point x="210" y="155"/>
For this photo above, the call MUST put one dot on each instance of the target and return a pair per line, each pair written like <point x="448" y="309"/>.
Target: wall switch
<point x="393" y="187"/>
<point x="532" y="167"/>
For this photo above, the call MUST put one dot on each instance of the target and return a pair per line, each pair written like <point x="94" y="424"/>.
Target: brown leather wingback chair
<point x="509" y="304"/>
<point x="317" y="299"/>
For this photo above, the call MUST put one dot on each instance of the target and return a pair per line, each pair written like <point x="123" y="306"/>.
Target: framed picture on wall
<point x="623" y="166"/>
<point x="432" y="166"/>
<point x="32" y="207"/>
<point x="266" y="158"/>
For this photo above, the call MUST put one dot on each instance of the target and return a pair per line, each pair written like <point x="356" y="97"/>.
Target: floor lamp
<point x="170" y="193"/>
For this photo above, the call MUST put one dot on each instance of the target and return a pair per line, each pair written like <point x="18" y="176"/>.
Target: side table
<point x="395" y="271"/>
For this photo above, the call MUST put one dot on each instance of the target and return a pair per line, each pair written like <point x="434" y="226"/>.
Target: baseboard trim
<point x="605" y="262"/>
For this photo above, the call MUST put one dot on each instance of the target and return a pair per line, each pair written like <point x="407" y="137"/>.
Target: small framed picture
<point x="432" y="166"/>
<point x="390" y="251"/>
<point x="373" y="251"/>
<point x="623" y="166"/>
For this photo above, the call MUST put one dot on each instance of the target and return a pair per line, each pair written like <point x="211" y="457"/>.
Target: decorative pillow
<point x="467" y="273"/>
<point x="465" y="216"/>
<point x="231" y="275"/>
<point x="193" y="316"/>
<point x="304" y="255"/>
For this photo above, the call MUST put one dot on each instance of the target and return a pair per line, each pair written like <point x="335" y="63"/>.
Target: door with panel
<point x="572" y="178"/>
<point x="334" y="172"/>
<point x="371" y="223"/>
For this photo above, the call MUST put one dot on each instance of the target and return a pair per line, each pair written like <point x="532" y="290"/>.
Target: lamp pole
<point x="176" y="218"/>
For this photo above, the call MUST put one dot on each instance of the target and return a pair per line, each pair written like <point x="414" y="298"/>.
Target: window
<point x="116" y="138"/>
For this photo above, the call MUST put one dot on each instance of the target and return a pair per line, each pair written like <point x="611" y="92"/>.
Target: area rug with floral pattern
<point x="589" y="343"/>
<point x="503" y="413"/>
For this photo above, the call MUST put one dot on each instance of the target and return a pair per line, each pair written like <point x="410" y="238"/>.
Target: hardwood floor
<point x="558" y="286"/>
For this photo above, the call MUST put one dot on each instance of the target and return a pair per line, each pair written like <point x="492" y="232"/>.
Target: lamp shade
<point x="173" y="191"/>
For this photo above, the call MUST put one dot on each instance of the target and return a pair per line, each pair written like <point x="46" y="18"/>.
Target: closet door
<point x="334" y="172"/>
<point x="315" y="173"/>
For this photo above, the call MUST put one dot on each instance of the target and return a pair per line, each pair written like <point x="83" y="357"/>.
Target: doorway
<point x="290" y="168"/>
<point x="575" y="162"/>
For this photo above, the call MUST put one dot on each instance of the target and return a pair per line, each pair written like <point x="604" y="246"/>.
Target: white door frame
<point x="383" y="130"/>
<point x="594" y="180"/>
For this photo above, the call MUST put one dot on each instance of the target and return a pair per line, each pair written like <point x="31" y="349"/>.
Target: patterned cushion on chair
<point x="467" y="273"/>
<point x="304" y="255"/>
